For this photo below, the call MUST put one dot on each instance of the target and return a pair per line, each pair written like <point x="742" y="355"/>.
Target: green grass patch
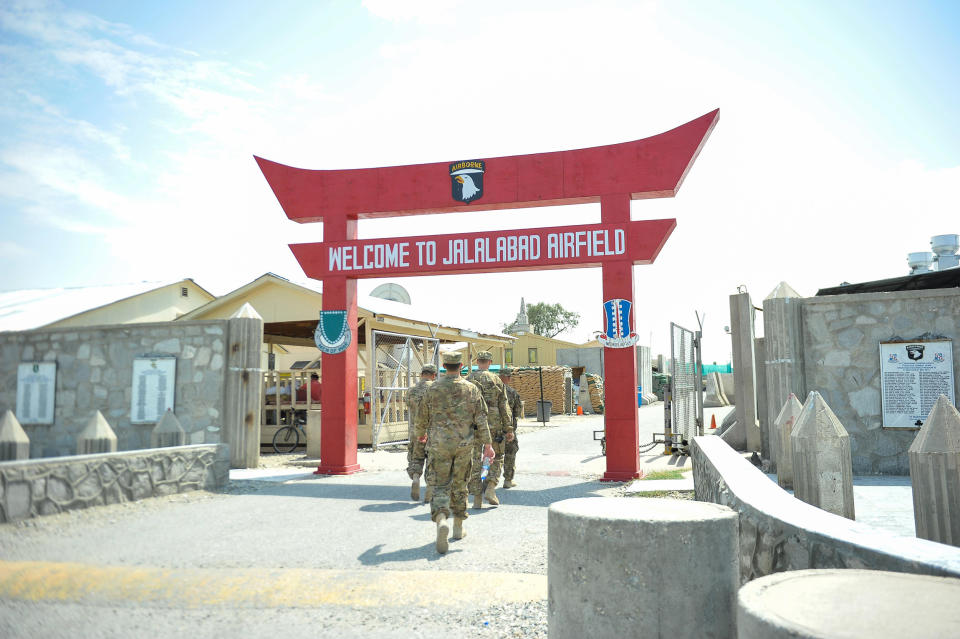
<point x="664" y="474"/>
<point x="665" y="494"/>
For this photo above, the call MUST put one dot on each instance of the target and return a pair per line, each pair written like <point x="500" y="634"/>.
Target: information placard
<point x="912" y="376"/>
<point x="36" y="387"/>
<point x="153" y="384"/>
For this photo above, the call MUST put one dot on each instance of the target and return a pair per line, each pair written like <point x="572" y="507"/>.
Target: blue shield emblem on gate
<point x="617" y="333"/>
<point x="332" y="334"/>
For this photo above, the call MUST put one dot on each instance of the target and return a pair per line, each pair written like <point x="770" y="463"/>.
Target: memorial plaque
<point x="153" y="384"/>
<point x="36" y="386"/>
<point x="912" y="376"/>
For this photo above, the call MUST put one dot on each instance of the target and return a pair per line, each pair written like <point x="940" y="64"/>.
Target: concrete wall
<point x="590" y="358"/>
<point x="779" y="532"/>
<point x="841" y="335"/>
<point x="47" y="486"/>
<point x="95" y="372"/>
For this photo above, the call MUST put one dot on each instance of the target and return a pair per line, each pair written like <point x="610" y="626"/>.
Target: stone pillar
<point x="783" y="361"/>
<point x="826" y="604"/>
<point x="782" y="429"/>
<point x="935" y="475"/>
<point x="759" y="351"/>
<point x="168" y="432"/>
<point x="242" y="388"/>
<point x="651" y="567"/>
<point x="96" y="437"/>
<point x="313" y="433"/>
<point x="14" y="442"/>
<point x="822" y="466"/>
<point x="744" y="373"/>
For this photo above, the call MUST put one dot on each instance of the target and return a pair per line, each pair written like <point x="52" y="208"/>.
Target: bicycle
<point x="287" y="438"/>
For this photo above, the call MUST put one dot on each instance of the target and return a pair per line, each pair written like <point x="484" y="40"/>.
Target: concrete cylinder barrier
<point x="803" y="604"/>
<point x="630" y="567"/>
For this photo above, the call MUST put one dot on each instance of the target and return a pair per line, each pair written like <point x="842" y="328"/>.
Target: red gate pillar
<point x="619" y="364"/>
<point x="338" y="430"/>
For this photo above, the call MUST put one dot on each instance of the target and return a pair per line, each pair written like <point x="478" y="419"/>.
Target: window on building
<point x="508" y="355"/>
<point x="532" y="355"/>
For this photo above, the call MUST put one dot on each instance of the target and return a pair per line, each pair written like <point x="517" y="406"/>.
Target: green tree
<point x="550" y="320"/>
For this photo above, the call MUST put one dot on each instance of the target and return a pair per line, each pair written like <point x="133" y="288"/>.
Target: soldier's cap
<point x="484" y="355"/>
<point x="452" y="358"/>
<point x="506" y="371"/>
<point x="429" y="368"/>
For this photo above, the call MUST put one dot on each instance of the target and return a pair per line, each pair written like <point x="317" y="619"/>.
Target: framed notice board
<point x="153" y="386"/>
<point x="912" y="376"/>
<point x="36" y="386"/>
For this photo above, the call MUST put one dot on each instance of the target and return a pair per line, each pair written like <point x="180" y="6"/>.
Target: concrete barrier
<point x="641" y="567"/>
<point x="823" y="604"/>
<point x="55" y="484"/>
<point x="779" y="532"/>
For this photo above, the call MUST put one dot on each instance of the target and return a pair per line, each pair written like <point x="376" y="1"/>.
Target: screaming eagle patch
<point x="466" y="179"/>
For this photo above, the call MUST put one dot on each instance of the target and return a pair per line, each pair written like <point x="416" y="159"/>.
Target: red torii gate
<point x="611" y="175"/>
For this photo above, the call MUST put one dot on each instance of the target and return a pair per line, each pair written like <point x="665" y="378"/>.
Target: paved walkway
<point x="315" y="556"/>
<point x="339" y="556"/>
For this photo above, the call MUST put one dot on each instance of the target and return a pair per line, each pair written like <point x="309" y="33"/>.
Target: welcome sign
<point x="544" y="248"/>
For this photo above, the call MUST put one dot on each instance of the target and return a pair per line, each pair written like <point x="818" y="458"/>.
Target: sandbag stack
<point x="526" y="381"/>
<point x="595" y="388"/>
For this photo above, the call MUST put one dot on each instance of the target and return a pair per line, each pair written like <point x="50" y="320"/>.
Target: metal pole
<point x="543" y="418"/>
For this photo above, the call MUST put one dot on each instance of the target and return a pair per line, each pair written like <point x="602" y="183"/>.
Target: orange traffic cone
<point x="713" y="422"/>
<point x="579" y="410"/>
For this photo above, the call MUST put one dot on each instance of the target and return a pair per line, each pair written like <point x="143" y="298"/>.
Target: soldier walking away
<point x="501" y="429"/>
<point x="415" y="449"/>
<point x="451" y="417"/>
<point x="511" y="447"/>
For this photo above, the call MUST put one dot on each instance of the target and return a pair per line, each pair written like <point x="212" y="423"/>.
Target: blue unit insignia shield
<point x="617" y="333"/>
<point x="333" y="333"/>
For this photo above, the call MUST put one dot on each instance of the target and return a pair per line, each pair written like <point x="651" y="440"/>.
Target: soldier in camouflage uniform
<point x="451" y="417"/>
<point x="510" y="448"/>
<point x="415" y="450"/>
<point x="501" y="429"/>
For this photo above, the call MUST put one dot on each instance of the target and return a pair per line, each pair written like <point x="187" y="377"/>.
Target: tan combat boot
<point x="415" y="490"/>
<point x="490" y="494"/>
<point x="509" y="483"/>
<point x="443" y="532"/>
<point x="428" y="494"/>
<point x="458" y="532"/>
<point x="478" y="500"/>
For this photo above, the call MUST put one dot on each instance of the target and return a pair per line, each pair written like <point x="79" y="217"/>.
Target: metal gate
<point x="398" y="360"/>
<point x="686" y="406"/>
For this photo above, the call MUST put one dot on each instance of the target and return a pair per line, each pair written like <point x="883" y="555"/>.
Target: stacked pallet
<point x="595" y="388"/>
<point x="526" y="381"/>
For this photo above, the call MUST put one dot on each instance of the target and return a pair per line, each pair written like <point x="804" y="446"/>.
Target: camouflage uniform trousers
<point x="493" y="475"/>
<point x="415" y="454"/>
<point x="510" y="457"/>
<point x="448" y="469"/>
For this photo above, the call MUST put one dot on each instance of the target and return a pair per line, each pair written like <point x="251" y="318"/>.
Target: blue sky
<point x="129" y="130"/>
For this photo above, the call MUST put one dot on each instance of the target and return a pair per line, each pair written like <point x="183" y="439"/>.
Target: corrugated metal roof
<point x="32" y="308"/>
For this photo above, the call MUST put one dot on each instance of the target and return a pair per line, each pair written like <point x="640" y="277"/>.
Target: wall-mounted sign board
<point x="153" y="386"/>
<point x="912" y="376"/>
<point x="36" y="386"/>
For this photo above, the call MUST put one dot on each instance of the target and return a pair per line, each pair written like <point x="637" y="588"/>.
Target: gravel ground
<point x="359" y="522"/>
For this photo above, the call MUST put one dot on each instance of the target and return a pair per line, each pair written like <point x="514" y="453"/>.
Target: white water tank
<point x="946" y="246"/>
<point x="919" y="262"/>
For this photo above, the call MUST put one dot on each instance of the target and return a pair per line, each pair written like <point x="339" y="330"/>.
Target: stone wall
<point x="47" y="486"/>
<point x="779" y="532"/>
<point x="95" y="372"/>
<point x="841" y="354"/>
